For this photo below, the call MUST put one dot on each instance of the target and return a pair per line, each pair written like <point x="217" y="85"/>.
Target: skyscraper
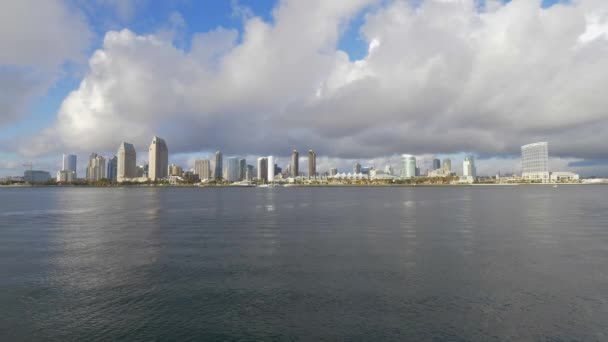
<point x="233" y="169"/>
<point x="217" y="174"/>
<point x="96" y="168"/>
<point x="447" y="165"/>
<point x="112" y="169"/>
<point x="408" y="169"/>
<point x="333" y="171"/>
<point x="535" y="162"/>
<point x="263" y="169"/>
<point x="158" y="159"/>
<point x="295" y="163"/>
<point x="468" y="168"/>
<point x="202" y="167"/>
<point x="357" y="168"/>
<point x="312" y="164"/>
<point x="242" y="169"/>
<point x="270" y="169"/>
<point x="175" y="170"/>
<point x="436" y="164"/>
<point x="126" y="167"/>
<point x="69" y="163"/>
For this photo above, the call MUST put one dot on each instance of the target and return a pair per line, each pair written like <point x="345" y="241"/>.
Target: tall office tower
<point x="233" y="169"/>
<point x="202" y="168"/>
<point x="96" y="169"/>
<point x="69" y="162"/>
<point x="447" y="165"/>
<point x="270" y="169"/>
<point x="468" y="168"/>
<point x="263" y="169"/>
<point x="242" y="169"/>
<point x="249" y="173"/>
<point x="333" y="171"/>
<point x="295" y="163"/>
<point x="388" y="169"/>
<point x="312" y="164"/>
<point x="408" y="169"/>
<point x="535" y="162"/>
<point x="112" y="169"/>
<point x="357" y="168"/>
<point x="158" y="162"/>
<point x="219" y="167"/>
<point x="126" y="167"/>
<point x="436" y="164"/>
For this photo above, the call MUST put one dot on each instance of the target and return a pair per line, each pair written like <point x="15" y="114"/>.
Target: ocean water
<point x="484" y="263"/>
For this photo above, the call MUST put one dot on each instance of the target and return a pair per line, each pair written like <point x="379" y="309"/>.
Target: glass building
<point x="535" y="162"/>
<point x="409" y="166"/>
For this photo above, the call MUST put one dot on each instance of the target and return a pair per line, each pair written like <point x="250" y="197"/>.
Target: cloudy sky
<point x="355" y="80"/>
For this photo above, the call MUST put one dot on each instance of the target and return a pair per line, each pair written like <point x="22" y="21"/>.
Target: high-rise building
<point x="436" y="164"/>
<point x="202" y="168"/>
<point x="126" y="166"/>
<point x="219" y="167"/>
<point x="295" y="163"/>
<point x="535" y="162"/>
<point x="388" y="169"/>
<point x="69" y="163"/>
<point x="233" y="169"/>
<point x="263" y="169"/>
<point x="175" y="170"/>
<point x="249" y="173"/>
<point x="469" y="170"/>
<point x="408" y="169"/>
<point x="158" y="162"/>
<point x="270" y="169"/>
<point x="242" y="169"/>
<point x="96" y="168"/>
<point x="112" y="169"/>
<point x="447" y="166"/>
<point x="312" y="164"/>
<point x="357" y="168"/>
<point x="333" y="171"/>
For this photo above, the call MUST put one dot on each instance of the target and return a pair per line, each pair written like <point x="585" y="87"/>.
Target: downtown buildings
<point x="158" y="161"/>
<point x="126" y="165"/>
<point x="96" y="168"/>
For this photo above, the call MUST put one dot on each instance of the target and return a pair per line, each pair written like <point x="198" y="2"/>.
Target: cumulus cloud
<point x="440" y="77"/>
<point x="36" y="39"/>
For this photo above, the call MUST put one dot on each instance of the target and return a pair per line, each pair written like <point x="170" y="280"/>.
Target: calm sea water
<point x="449" y="263"/>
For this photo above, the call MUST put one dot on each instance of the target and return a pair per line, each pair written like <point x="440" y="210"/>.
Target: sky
<point x="356" y="80"/>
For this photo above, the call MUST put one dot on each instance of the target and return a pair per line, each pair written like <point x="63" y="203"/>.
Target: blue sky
<point x="189" y="18"/>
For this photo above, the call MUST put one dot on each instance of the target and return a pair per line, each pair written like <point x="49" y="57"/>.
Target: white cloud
<point x="439" y="78"/>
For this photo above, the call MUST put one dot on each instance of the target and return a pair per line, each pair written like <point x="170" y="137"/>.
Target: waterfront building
<point x="69" y="163"/>
<point x="408" y="169"/>
<point x="333" y="171"/>
<point x="388" y="170"/>
<point x="126" y="167"/>
<point x="447" y="165"/>
<point x="112" y="169"/>
<point x="295" y="163"/>
<point x="564" y="177"/>
<point x="140" y="171"/>
<point x="217" y="174"/>
<point x="535" y="162"/>
<point x="312" y="164"/>
<point x="66" y="176"/>
<point x="242" y="169"/>
<point x="36" y="176"/>
<point x="436" y="164"/>
<point x="202" y="168"/>
<point x="263" y="169"/>
<point x="469" y="171"/>
<point x="175" y="170"/>
<point x="158" y="161"/>
<point x="96" y="168"/>
<point x="250" y="173"/>
<point x="270" y="172"/>
<point x="233" y="170"/>
<point x="357" y="168"/>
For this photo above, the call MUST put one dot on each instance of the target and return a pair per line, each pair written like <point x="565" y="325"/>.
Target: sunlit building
<point x="218" y="166"/>
<point x="535" y="162"/>
<point x="158" y="161"/>
<point x="295" y="163"/>
<point x="202" y="168"/>
<point x="126" y="167"/>
<point x="312" y="164"/>
<point x="408" y="169"/>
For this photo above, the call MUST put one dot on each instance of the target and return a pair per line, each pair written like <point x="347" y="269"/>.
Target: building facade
<point x="218" y="166"/>
<point x="96" y="168"/>
<point x="126" y="165"/>
<point x="36" y="176"/>
<point x="408" y="169"/>
<point x="535" y="162"/>
<point x="66" y="176"/>
<point x="357" y="168"/>
<point x="233" y="170"/>
<point x="112" y="169"/>
<point x="158" y="162"/>
<point x="69" y="163"/>
<point x="312" y="164"/>
<point x="175" y="170"/>
<point x="295" y="163"/>
<point x="263" y="169"/>
<point x="202" y="168"/>
<point x="469" y="171"/>
<point x="447" y="165"/>
<point x="436" y="164"/>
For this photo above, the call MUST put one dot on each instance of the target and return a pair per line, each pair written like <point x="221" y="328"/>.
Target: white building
<point x="271" y="169"/>
<point x="408" y="169"/>
<point x="263" y="169"/>
<point x="564" y="177"/>
<point x="202" y="167"/>
<point x="96" y="169"/>
<point x="535" y="162"/>
<point x="66" y="176"/>
<point x="469" y="171"/>
<point x="158" y="165"/>
<point x="127" y="168"/>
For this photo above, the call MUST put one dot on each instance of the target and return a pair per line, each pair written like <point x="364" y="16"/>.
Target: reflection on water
<point x="470" y="263"/>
